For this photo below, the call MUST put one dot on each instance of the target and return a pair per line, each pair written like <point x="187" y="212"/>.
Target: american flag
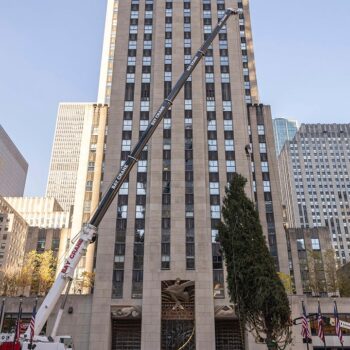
<point x="305" y="332"/>
<point x="18" y="324"/>
<point x="32" y="322"/>
<point x="337" y="324"/>
<point x="320" y="324"/>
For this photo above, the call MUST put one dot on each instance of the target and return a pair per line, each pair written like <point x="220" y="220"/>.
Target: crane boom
<point x="89" y="231"/>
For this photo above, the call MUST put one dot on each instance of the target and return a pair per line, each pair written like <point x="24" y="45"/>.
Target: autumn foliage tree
<point x="261" y="301"/>
<point x="35" y="276"/>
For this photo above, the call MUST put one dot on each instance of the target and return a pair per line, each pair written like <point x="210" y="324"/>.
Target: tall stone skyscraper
<point x="315" y="179"/>
<point x="158" y="241"/>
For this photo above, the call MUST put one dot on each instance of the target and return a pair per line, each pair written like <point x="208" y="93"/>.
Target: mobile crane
<point x="88" y="233"/>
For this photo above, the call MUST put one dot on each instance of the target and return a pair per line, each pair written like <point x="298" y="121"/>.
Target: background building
<point x="284" y="129"/>
<point x="311" y="261"/>
<point x="42" y="212"/>
<point x="49" y="227"/>
<point x="13" y="167"/>
<point x="108" y="52"/>
<point x="77" y="164"/>
<point x="75" y="135"/>
<point x="13" y="234"/>
<point x="162" y="226"/>
<point x="314" y="169"/>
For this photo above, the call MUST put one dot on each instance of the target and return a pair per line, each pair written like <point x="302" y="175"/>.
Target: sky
<point x="51" y="51"/>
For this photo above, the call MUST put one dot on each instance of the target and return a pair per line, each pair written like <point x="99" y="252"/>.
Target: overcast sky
<point x="50" y="52"/>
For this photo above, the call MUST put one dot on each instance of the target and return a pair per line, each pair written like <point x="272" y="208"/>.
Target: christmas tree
<point x="253" y="284"/>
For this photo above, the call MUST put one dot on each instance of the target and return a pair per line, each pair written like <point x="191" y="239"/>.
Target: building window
<point x="228" y="125"/>
<point x="267" y="187"/>
<point x="140" y="212"/>
<point x="264" y="167"/>
<point x="301" y="244"/>
<point x="214" y="188"/>
<point x="122" y="211"/>
<point x="141" y="188"/>
<point x="126" y="145"/>
<point x="213" y="166"/>
<point x="262" y="147"/>
<point x="230" y="166"/>
<point x="212" y="145"/>
<point x="315" y="244"/>
<point x="188" y="104"/>
<point x="261" y="130"/>
<point x="146" y="60"/>
<point x="215" y="211"/>
<point x="128" y="106"/>
<point x="124" y="189"/>
<point x="127" y="125"/>
<point x="143" y="125"/>
<point x="225" y="78"/>
<point x="212" y="125"/>
<point x="229" y="145"/>
<point x="142" y="166"/>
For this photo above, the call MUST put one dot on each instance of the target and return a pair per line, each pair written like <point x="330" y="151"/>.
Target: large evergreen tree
<point x="254" y="286"/>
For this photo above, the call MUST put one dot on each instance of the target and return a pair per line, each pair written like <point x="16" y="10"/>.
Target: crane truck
<point x="88" y="233"/>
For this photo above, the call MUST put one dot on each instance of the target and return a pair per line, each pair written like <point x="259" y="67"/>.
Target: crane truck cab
<point x="62" y="342"/>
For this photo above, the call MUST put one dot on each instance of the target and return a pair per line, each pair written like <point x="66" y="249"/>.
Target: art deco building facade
<point x="13" y="167"/>
<point x="160" y="232"/>
<point x="284" y="129"/>
<point x="315" y="168"/>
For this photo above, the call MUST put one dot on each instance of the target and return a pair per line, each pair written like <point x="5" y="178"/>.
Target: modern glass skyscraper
<point x="315" y="170"/>
<point x="284" y="129"/>
<point x="158" y="241"/>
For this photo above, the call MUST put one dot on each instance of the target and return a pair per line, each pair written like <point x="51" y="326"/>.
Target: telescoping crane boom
<point x="88" y="233"/>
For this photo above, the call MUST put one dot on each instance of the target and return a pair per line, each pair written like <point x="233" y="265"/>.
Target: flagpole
<point x="320" y="323"/>
<point x="307" y="324"/>
<point x="2" y="313"/>
<point x="17" y="330"/>
<point x="337" y="324"/>
<point x="33" y="320"/>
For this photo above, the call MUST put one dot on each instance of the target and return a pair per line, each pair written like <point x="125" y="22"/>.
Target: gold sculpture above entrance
<point x="178" y="314"/>
<point x="178" y="299"/>
<point x="178" y="292"/>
